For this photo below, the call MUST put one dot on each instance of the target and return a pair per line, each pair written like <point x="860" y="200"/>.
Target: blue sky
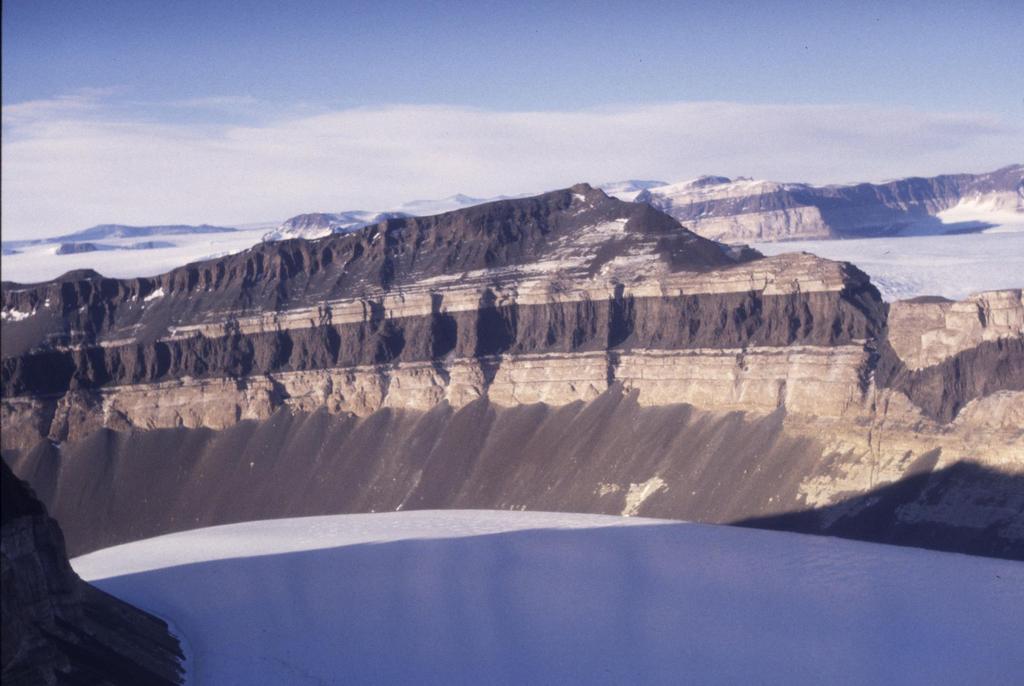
<point x="521" y="55"/>
<point x="126" y="109"/>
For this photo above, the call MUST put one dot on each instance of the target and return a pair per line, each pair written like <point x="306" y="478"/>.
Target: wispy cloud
<point x="72" y="104"/>
<point x="66" y="165"/>
<point x="221" y="102"/>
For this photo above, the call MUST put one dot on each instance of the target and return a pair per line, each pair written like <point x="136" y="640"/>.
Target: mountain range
<point x="731" y="210"/>
<point x="748" y="210"/>
<point x="563" y="352"/>
<point x="744" y="210"/>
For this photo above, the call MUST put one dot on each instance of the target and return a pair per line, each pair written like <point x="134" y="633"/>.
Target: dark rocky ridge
<point x="733" y="320"/>
<point x="737" y="320"/>
<point x="86" y="308"/>
<point x="56" y="628"/>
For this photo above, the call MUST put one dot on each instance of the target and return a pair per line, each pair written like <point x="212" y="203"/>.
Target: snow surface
<point x="36" y="263"/>
<point x="708" y="188"/>
<point x="13" y="315"/>
<point x="158" y="293"/>
<point x="426" y="208"/>
<point x="515" y="597"/>
<point x="908" y="266"/>
<point x="1005" y="211"/>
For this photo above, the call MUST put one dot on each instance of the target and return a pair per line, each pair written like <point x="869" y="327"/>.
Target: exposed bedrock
<point x="565" y="352"/>
<point x="57" y="629"/>
<point x="926" y="331"/>
<point x="621" y="322"/>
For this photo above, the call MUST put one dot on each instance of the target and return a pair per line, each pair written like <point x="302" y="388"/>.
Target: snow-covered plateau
<point x="492" y="597"/>
<point x="41" y="262"/>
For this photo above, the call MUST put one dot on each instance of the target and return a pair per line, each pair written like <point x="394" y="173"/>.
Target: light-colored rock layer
<point x="925" y="333"/>
<point x="887" y="444"/>
<point x="801" y="379"/>
<point x="804" y="223"/>
<point x="780" y="275"/>
<point x="868" y="436"/>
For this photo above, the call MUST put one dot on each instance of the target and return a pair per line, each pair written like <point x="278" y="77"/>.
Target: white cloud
<point x="78" y="103"/>
<point x="67" y="166"/>
<point x="221" y="102"/>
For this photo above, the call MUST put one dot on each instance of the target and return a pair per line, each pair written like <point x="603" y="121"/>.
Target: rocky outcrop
<point x="56" y="628"/>
<point x="745" y="210"/>
<point x="414" y="354"/>
<point x="926" y="331"/>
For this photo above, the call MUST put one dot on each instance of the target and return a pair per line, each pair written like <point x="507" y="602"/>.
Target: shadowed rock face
<point x="56" y="628"/>
<point x="566" y="352"/>
<point x="892" y="513"/>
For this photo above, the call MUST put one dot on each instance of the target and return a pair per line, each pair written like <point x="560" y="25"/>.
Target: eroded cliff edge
<point x="427" y="356"/>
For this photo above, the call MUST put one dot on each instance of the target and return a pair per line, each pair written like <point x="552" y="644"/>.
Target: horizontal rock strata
<point x="452" y="332"/>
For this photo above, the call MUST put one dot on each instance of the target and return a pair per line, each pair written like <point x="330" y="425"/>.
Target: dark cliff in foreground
<point x="57" y="629"/>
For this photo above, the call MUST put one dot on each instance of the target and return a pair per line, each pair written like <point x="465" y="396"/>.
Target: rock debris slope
<point x="562" y="352"/>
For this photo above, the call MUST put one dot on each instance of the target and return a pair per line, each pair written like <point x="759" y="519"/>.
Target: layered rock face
<point x="744" y="210"/>
<point x="566" y="352"/>
<point x="56" y="628"/>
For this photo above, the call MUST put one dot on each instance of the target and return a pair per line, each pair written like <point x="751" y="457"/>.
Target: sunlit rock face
<point x="748" y="210"/>
<point x="568" y="351"/>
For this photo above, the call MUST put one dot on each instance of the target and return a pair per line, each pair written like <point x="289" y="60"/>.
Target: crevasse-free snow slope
<point x="517" y="597"/>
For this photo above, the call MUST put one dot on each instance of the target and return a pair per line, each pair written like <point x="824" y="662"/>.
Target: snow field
<point x="515" y="597"/>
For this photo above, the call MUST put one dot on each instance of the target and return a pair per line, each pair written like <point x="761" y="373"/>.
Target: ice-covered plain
<point x="953" y="266"/>
<point x="41" y="262"/>
<point x="518" y="597"/>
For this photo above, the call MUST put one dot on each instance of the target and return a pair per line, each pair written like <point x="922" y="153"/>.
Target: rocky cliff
<point x="56" y="628"/>
<point x="745" y="210"/>
<point x="566" y="352"/>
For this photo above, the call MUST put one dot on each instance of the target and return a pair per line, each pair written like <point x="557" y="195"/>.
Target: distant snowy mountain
<point x="117" y="231"/>
<point x="423" y="208"/>
<point x="104" y="231"/>
<point x="628" y="190"/>
<point x="87" y="246"/>
<point x="433" y="597"/>
<point x="747" y="210"/>
<point x="320" y="224"/>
